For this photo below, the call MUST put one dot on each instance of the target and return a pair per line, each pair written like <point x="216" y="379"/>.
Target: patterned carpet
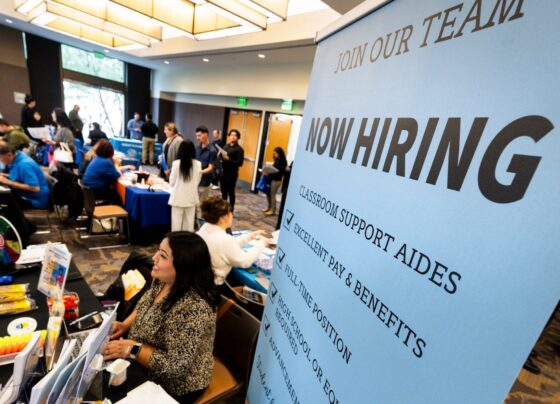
<point x="101" y="267"/>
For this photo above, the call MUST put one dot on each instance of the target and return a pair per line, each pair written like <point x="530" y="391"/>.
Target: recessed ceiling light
<point x="9" y="21"/>
<point x="166" y="62"/>
<point x="106" y="50"/>
<point x="262" y="56"/>
<point x="205" y="60"/>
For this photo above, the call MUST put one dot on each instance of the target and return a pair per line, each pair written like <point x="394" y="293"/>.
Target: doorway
<point x="248" y="123"/>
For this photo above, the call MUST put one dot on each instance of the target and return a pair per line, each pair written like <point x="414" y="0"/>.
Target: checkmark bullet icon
<point x="266" y="324"/>
<point x="280" y="257"/>
<point x="273" y="291"/>
<point x="289" y="217"/>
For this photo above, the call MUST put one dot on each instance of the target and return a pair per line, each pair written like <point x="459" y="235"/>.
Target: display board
<point x="418" y="257"/>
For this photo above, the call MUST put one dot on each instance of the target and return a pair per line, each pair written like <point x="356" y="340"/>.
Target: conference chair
<point x="57" y="207"/>
<point x="236" y="293"/>
<point x="234" y="349"/>
<point x="98" y="202"/>
<point x="102" y="212"/>
<point x="116" y="291"/>
<point x="35" y="213"/>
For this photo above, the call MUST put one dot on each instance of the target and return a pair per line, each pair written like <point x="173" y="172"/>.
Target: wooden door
<point x="278" y="135"/>
<point x="248" y="123"/>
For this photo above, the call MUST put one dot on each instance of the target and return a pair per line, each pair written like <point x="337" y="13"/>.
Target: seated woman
<point x="101" y="173"/>
<point x="171" y="332"/>
<point x="96" y="134"/>
<point x="225" y="250"/>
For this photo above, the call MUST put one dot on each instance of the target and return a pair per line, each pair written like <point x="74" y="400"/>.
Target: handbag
<point x="63" y="154"/>
<point x="264" y="184"/>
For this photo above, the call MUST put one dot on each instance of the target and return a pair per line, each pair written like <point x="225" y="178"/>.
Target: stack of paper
<point x="33" y="253"/>
<point x="147" y="393"/>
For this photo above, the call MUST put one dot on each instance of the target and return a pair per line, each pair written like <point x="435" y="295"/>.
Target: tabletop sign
<point x="418" y="254"/>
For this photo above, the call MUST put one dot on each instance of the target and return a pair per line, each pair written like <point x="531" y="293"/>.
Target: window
<point x="97" y="104"/>
<point x="96" y="83"/>
<point x="92" y="63"/>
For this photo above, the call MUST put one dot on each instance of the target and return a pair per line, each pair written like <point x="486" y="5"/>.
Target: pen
<point x="83" y="317"/>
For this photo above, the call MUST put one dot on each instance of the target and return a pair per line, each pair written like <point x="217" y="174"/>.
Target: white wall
<point x="254" y="104"/>
<point x="265" y="81"/>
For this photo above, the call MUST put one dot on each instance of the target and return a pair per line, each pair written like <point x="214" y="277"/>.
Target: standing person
<point x="64" y="132"/>
<point x="206" y="154"/>
<point x="14" y="135"/>
<point x="184" y="179"/>
<point x="77" y="122"/>
<point x="171" y="332"/>
<point x="231" y="161"/>
<point x="280" y="163"/>
<point x="285" y="186"/>
<point x="30" y="117"/>
<point x="96" y="134"/>
<point x="171" y="146"/>
<point x="217" y="138"/>
<point x="149" y="132"/>
<point x="217" y="174"/>
<point x="134" y="127"/>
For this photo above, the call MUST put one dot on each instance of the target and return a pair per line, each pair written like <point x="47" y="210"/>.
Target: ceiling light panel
<point x="132" y="23"/>
<point x="238" y="11"/>
<point x="86" y="33"/>
<point x="206" y="20"/>
<point x="271" y="8"/>
<point x="60" y="10"/>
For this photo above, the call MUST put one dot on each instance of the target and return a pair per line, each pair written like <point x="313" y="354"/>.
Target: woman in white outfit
<point x="225" y="250"/>
<point x="184" y="178"/>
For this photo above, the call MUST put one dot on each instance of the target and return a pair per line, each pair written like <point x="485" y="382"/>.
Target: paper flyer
<point x="54" y="270"/>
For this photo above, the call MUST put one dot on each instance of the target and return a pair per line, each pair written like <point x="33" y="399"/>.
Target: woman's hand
<point x="257" y="234"/>
<point x="119" y="329"/>
<point x="118" y="349"/>
<point x="126" y="167"/>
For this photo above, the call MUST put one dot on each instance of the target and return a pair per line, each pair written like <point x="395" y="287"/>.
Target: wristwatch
<point x="135" y="350"/>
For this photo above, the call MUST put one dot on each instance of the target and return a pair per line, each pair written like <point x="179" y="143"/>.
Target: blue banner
<point x="418" y="257"/>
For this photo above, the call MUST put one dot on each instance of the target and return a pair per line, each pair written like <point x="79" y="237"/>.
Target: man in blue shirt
<point x="207" y="155"/>
<point x="134" y="126"/>
<point x="27" y="181"/>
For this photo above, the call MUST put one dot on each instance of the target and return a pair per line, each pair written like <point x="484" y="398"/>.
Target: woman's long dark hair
<point x="193" y="269"/>
<point x="281" y="155"/>
<point x="62" y="119"/>
<point x="186" y="154"/>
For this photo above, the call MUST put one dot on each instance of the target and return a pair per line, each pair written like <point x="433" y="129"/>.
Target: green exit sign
<point x="242" y="101"/>
<point x="99" y="55"/>
<point x="287" y="104"/>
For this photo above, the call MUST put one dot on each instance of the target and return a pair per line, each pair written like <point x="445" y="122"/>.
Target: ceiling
<point x="290" y="41"/>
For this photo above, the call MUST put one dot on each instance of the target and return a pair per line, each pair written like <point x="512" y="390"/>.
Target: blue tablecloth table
<point x="148" y="208"/>
<point x="132" y="148"/>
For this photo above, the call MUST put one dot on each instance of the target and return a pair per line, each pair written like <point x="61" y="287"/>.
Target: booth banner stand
<point x="418" y="254"/>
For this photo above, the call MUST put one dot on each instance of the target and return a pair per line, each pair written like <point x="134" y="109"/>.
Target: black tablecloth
<point x="74" y="283"/>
